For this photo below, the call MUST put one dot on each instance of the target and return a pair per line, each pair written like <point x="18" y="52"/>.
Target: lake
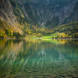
<point x="38" y="59"/>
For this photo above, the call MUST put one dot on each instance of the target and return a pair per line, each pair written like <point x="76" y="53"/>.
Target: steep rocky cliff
<point x="50" y="13"/>
<point x="8" y="18"/>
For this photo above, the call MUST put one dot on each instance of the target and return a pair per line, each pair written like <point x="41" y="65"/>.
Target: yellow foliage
<point x="2" y="32"/>
<point x="62" y="35"/>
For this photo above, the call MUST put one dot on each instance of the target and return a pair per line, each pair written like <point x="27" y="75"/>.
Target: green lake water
<point x="38" y="59"/>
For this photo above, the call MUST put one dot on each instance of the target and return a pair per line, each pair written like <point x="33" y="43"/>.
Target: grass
<point x="45" y="39"/>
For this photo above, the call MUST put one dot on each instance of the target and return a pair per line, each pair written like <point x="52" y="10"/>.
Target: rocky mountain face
<point x="7" y="15"/>
<point x="50" y="13"/>
<point x="45" y="13"/>
<point x="6" y="11"/>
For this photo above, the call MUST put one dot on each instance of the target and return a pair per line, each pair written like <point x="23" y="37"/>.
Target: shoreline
<point x="40" y="38"/>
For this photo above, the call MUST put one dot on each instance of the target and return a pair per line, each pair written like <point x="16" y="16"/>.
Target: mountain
<point x="50" y="13"/>
<point x="8" y="20"/>
<point x="70" y="29"/>
<point x="26" y="16"/>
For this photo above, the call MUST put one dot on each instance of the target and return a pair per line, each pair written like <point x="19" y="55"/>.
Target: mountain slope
<point x="70" y="29"/>
<point x="50" y="13"/>
<point x="8" y="20"/>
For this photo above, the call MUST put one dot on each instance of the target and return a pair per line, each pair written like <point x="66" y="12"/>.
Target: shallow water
<point x="38" y="59"/>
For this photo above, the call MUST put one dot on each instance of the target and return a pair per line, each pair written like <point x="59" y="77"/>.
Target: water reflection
<point x="38" y="59"/>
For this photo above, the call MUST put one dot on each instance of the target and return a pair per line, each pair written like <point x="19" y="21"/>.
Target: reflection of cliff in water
<point x="38" y="58"/>
<point x="10" y="47"/>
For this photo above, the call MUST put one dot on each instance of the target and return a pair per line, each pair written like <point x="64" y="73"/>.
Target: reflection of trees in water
<point x="11" y="49"/>
<point x="37" y="57"/>
<point x="2" y="44"/>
